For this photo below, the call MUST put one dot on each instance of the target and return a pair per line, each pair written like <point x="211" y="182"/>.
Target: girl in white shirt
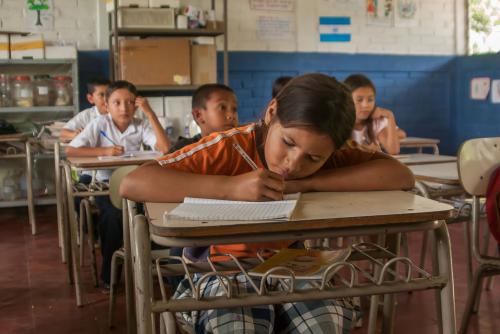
<point x="375" y="127"/>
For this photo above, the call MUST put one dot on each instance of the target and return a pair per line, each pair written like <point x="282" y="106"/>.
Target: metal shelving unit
<point x="115" y="33"/>
<point x="36" y="114"/>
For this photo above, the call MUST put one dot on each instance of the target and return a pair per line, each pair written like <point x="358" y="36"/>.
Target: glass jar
<point x="10" y="186"/>
<point x="42" y="89"/>
<point x="5" y="98"/>
<point x="63" y="90"/>
<point x="22" y="91"/>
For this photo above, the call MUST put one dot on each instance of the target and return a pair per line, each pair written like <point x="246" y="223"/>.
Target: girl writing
<point x="297" y="147"/>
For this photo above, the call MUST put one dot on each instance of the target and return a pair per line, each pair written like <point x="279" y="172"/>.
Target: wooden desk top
<point x="95" y="162"/>
<point x="13" y="137"/>
<point x="445" y="173"/>
<point x="418" y="141"/>
<point x="318" y="210"/>
<point x="423" y="158"/>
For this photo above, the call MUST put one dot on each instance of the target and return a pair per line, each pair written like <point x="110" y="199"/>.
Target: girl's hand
<point x="296" y="186"/>
<point x="114" y="150"/>
<point x="142" y="102"/>
<point x="381" y="113"/>
<point x="258" y="185"/>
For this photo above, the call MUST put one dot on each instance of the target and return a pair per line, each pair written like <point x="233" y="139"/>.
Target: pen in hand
<point x="106" y="136"/>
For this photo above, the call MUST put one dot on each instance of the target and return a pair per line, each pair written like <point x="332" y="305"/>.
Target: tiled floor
<point x="35" y="296"/>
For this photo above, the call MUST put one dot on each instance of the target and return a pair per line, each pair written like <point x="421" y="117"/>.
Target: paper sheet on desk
<point x="211" y="209"/>
<point x="131" y="154"/>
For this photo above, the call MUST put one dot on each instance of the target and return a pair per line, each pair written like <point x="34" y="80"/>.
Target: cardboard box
<point x="164" y="3"/>
<point x="126" y="3"/>
<point x="155" y="61"/>
<point x="146" y="18"/>
<point x="60" y="52"/>
<point x="27" y="47"/>
<point x="203" y="64"/>
<point x="4" y="47"/>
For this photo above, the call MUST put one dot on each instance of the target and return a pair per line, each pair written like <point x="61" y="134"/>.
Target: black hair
<point x="318" y="101"/>
<point x="120" y="84"/>
<point x="355" y="81"/>
<point x="97" y="81"/>
<point x="202" y="94"/>
<point x="279" y="83"/>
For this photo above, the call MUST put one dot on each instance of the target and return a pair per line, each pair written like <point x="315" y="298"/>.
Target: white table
<point x="423" y="158"/>
<point x="420" y="143"/>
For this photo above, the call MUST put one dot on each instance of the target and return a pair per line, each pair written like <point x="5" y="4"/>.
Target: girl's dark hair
<point x="320" y="102"/>
<point x="355" y="81"/>
<point x="279" y="83"/>
<point x="120" y="84"/>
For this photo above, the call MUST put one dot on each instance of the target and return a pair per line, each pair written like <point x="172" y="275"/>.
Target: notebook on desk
<point x="213" y="209"/>
<point x="130" y="155"/>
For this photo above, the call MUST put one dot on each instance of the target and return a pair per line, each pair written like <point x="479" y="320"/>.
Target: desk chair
<point x="119" y="255"/>
<point x="477" y="160"/>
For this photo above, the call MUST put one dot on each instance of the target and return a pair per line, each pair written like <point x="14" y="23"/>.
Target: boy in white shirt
<point x="114" y="134"/>
<point x="96" y="91"/>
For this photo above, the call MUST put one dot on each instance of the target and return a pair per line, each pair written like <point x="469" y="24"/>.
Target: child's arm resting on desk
<point x="162" y="142"/>
<point x="153" y="183"/>
<point x="67" y="135"/>
<point x="380" y="172"/>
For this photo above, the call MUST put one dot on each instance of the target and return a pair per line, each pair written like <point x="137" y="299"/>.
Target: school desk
<point x="71" y="192"/>
<point x="318" y="215"/>
<point x="420" y="143"/>
<point x="423" y="158"/>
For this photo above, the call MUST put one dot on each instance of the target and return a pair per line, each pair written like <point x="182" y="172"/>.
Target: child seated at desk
<point x="375" y="127"/>
<point x="96" y="91"/>
<point x="114" y="134"/>
<point x="297" y="147"/>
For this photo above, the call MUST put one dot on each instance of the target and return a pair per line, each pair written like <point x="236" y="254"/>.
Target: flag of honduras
<point x="334" y="29"/>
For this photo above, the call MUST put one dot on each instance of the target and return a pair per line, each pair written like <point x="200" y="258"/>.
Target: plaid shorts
<point x="318" y="316"/>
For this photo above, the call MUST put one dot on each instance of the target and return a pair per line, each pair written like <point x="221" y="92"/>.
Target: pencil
<point x="245" y="155"/>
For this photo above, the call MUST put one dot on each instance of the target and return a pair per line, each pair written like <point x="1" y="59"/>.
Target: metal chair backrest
<point x="114" y="184"/>
<point x="477" y="160"/>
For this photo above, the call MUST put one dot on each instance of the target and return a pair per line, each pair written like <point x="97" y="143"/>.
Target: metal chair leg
<point x="81" y="244"/>
<point x="118" y="255"/>
<point x="90" y="238"/>
<point x="471" y="298"/>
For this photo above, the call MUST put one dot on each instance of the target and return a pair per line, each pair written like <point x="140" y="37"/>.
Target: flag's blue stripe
<point x="345" y="20"/>
<point x="335" y="37"/>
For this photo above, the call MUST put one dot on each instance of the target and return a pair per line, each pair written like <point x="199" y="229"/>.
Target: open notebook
<point x="131" y="155"/>
<point x="212" y="209"/>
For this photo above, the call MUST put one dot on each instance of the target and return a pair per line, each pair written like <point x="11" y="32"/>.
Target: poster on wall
<point x="336" y="29"/>
<point x="273" y="5"/>
<point x="495" y="91"/>
<point x="380" y="12"/>
<point x="406" y="13"/>
<point x="479" y="88"/>
<point x="275" y="27"/>
<point x="39" y="15"/>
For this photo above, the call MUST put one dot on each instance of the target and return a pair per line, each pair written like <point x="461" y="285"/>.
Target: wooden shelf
<point x="37" y="109"/>
<point x="36" y="61"/>
<point x="167" y="32"/>
<point x="173" y="88"/>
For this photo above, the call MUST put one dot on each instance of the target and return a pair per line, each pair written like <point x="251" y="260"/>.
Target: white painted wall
<point x="438" y="30"/>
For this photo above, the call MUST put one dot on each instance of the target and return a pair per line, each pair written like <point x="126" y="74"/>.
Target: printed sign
<point x="479" y="88"/>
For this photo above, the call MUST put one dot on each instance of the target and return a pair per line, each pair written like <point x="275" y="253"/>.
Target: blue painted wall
<point x="475" y="118"/>
<point x="428" y="94"/>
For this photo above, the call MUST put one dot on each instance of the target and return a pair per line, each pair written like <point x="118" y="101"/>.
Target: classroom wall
<point x="437" y="29"/>
<point x="475" y="118"/>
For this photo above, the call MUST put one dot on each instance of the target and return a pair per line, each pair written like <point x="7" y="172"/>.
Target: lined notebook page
<point x="131" y="155"/>
<point x="210" y="209"/>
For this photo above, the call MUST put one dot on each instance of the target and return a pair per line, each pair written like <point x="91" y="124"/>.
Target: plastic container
<point x="10" y="186"/>
<point x="42" y="89"/>
<point x="63" y="90"/>
<point x="22" y="91"/>
<point x="5" y="97"/>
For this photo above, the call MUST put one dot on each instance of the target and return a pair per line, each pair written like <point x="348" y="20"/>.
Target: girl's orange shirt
<point x="215" y="155"/>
